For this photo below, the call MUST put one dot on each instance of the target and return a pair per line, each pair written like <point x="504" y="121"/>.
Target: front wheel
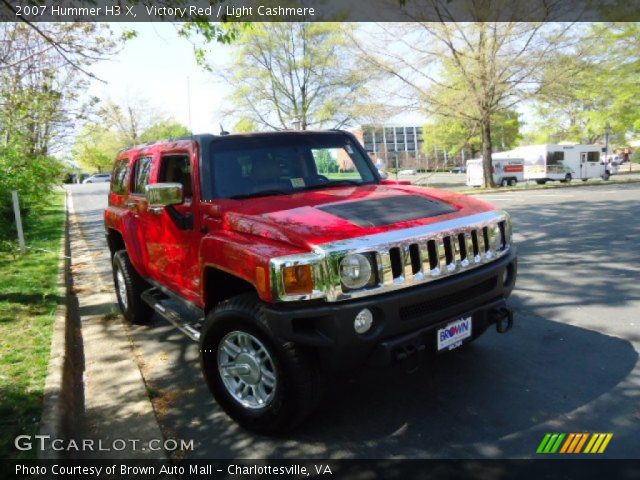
<point x="567" y="178"/>
<point x="513" y="182"/>
<point x="541" y="182"/>
<point x="504" y="182"/>
<point x="129" y="287"/>
<point x="266" y="385"/>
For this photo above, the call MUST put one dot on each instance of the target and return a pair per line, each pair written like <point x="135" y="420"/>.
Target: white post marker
<point x="16" y="212"/>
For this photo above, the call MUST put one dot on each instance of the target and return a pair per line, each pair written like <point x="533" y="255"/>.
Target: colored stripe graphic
<point x="574" y="442"/>
<point x="550" y="443"/>
<point x="598" y="443"/>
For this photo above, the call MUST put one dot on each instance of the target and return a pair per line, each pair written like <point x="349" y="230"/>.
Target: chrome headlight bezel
<point x="366" y="264"/>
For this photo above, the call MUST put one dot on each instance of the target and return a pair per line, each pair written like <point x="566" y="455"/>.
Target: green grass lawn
<point x="28" y="302"/>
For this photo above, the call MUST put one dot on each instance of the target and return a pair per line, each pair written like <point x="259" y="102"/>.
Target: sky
<point x="158" y="65"/>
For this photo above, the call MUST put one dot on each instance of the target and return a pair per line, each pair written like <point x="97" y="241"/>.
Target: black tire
<point x="513" y="182"/>
<point x="134" y="309"/>
<point x="567" y="178"/>
<point x="541" y="182"/>
<point x="606" y="176"/>
<point x="299" y="381"/>
<point x="504" y="182"/>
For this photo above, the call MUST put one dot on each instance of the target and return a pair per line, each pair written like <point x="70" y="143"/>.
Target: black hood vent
<point x="385" y="211"/>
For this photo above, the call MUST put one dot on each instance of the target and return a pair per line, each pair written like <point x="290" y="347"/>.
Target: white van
<point x="560" y="162"/>
<point x="506" y="171"/>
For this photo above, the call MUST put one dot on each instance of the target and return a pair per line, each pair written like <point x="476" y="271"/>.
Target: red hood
<point x="297" y="220"/>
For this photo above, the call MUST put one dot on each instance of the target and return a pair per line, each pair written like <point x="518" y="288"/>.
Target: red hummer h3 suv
<point x="288" y="257"/>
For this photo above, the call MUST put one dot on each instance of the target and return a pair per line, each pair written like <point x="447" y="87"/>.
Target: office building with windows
<point x="389" y="145"/>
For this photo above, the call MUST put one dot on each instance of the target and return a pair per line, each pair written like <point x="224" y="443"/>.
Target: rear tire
<point x="606" y="176"/>
<point x="513" y="182"/>
<point x="129" y="287"/>
<point x="236" y="334"/>
<point x="504" y="182"/>
<point x="567" y="178"/>
<point x="541" y="182"/>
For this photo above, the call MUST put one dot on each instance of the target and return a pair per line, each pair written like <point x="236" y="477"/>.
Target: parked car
<point x="408" y="171"/>
<point x="286" y="276"/>
<point x="461" y="169"/>
<point x="98" y="178"/>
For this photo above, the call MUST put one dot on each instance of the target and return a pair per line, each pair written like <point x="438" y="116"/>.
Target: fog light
<point x="363" y="321"/>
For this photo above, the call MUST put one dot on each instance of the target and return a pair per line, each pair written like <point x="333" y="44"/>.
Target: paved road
<point x="569" y="365"/>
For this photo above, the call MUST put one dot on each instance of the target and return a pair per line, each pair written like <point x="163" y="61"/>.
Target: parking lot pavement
<point x="570" y="364"/>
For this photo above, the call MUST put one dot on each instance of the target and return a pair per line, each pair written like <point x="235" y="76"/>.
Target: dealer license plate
<point x="454" y="333"/>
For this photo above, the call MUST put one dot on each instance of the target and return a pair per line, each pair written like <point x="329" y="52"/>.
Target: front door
<point x="170" y="233"/>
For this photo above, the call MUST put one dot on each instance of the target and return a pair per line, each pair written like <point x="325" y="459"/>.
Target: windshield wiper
<point x="335" y="183"/>
<point x="262" y="193"/>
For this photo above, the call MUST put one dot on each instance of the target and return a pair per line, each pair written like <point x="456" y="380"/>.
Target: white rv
<point x="506" y="170"/>
<point x="560" y="162"/>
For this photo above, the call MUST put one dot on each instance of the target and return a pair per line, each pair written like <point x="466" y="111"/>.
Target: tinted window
<point x="119" y="176"/>
<point x="142" y="171"/>
<point x="286" y="164"/>
<point x="177" y="169"/>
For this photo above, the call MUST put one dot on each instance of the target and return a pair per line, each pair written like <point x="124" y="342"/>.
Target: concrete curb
<point x="545" y="187"/>
<point x="51" y="421"/>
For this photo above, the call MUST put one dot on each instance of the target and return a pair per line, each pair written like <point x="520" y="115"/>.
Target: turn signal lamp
<point x="298" y="280"/>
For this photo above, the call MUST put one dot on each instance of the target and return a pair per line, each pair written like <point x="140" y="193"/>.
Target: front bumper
<point x="402" y="320"/>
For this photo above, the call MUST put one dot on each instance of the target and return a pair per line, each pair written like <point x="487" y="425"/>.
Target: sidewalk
<point x="112" y="390"/>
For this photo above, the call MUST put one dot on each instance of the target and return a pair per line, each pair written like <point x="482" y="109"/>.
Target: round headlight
<point x="355" y="271"/>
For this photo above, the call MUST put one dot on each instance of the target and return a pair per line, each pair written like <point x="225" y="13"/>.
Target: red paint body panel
<point x="237" y="236"/>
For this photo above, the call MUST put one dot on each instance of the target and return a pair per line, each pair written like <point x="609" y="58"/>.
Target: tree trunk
<point x="487" y="166"/>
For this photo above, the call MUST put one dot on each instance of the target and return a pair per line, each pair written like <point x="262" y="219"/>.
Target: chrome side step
<point x="154" y="298"/>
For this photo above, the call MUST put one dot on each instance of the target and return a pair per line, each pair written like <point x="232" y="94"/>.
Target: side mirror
<point x="163" y="194"/>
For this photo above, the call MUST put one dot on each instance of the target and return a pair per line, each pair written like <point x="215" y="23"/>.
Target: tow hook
<point x="410" y="356"/>
<point x="504" y="319"/>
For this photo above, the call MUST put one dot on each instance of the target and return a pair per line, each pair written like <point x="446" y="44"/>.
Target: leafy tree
<point x="132" y="117"/>
<point x="245" y="125"/>
<point x="304" y="73"/>
<point x="590" y="86"/>
<point x="455" y="134"/>
<point x="325" y="162"/>
<point x="164" y="129"/>
<point x="467" y="71"/>
<point x="96" y="147"/>
<point x="39" y="103"/>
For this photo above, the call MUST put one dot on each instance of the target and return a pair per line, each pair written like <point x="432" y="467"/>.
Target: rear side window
<point x="141" y="177"/>
<point x="176" y="169"/>
<point x="119" y="176"/>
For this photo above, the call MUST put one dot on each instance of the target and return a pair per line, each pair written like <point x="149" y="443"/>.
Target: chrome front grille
<point x="439" y="256"/>
<point x="423" y="254"/>
<point x="403" y="258"/>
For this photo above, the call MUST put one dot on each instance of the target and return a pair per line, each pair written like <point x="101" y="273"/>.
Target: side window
<point x="593" y="157"/>
<point x="118" y="176"/>
<point x="141" y="177"/>
<point x="177" y="169"/>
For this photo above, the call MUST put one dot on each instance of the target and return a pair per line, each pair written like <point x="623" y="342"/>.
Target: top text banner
<point x="320" y="11"/>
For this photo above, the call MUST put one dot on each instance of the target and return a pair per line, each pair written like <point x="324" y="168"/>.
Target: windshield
<point x="283" y="164"/>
